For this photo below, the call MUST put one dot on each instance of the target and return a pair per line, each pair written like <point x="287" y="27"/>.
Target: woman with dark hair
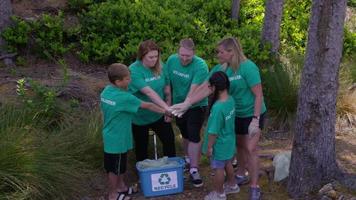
<point x="149" y="84"/>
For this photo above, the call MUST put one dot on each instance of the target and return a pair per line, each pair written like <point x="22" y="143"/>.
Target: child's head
<point x="119" y="75"/>
<point x="219" y="81"/>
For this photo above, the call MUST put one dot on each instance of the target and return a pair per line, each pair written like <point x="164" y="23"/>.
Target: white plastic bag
<point x="281" y="163"/>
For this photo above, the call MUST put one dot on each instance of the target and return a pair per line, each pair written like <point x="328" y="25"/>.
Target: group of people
<point x="147" y="94"/>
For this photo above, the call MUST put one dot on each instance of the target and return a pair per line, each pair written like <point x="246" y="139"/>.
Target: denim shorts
<point x="219" y="164"/>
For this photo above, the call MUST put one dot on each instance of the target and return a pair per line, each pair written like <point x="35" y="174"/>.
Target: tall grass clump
<point x="281" y="82"/>
<point x="346" y="106"/>
<point x="36" y="163"/>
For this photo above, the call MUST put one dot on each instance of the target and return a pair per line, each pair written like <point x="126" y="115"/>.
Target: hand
<point x="209" y="153"/>
<point x="181" y="107"/>
<point x="178" y="114"/>
<point x="168" y="113"/>
<point x="253" y="128"/>
<point x="167" y="119"/>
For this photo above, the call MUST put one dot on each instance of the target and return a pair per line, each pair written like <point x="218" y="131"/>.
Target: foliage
<point x="45" y="36"/>
<point x="36" y="164"/>
<point x="294" y="26"/>
<point x="111" y="31"/>
<point x="49" y="35"/>
<point x="17" y="36"/>
<point x="351" y="3"/>
<point x="280" y="84"/>
<point x="349" y="42"/>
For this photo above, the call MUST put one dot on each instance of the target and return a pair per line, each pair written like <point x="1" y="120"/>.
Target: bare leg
<point x="185" y="146"/>
<point x="219" y="179"/>
<point x="230" y="174"/>
<point x="253" y="161"/>
<point x="121" y="186"/>
<point x="194" y="154"/>
<point x="112" y="182"/>
<point x="241" y="154"/>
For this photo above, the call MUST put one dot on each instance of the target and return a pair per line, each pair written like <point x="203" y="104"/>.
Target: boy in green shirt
<point x="118" y="107"/>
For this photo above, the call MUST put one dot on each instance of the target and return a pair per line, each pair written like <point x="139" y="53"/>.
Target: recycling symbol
<point x="164" y="179"/>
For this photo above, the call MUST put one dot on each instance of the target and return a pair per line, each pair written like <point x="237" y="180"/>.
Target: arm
<point x="211" y="142"/>
<point x="257" y="91"/>
<point x="154" y="97"/>
<point x="168" y="94"/>
<point x="198" y="92"/>
<point x="253" y="128"/>
<point x="152" y="107"/>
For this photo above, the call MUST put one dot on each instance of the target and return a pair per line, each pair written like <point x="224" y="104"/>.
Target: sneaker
<point x="241" y="180"/>
<point x="228" y="189"/>
<point x="196" y="180"/>
<point x="255" y="193"/>
<point x="215" y="196"/>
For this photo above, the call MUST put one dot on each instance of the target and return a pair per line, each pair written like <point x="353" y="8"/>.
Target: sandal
<point x="122" y="196"/>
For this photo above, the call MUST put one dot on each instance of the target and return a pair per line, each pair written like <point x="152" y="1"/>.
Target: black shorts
<point x="191" y="122"/>
<point x="242" y="123"/>
<point x="115" y="162"/>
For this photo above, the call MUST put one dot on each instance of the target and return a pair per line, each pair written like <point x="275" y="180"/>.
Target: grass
<point x="39" y="164"/>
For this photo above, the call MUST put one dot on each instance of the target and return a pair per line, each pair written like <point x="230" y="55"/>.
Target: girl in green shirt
<point x="219" y="139"/>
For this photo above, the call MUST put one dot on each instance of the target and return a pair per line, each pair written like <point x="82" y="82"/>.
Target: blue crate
<point x="162" y="181"/>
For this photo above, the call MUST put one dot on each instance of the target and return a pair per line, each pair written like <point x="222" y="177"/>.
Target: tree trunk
<point x="235" y="9"/>
<point x="5" y="13"/>
<point x="313" y="161"/>
<point x="272" y="23"/>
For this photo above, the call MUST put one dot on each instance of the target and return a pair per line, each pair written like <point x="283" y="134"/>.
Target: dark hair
<point x="117" y="71"/>
<point x="221" y="82"/>
<point x="147" y="46"/>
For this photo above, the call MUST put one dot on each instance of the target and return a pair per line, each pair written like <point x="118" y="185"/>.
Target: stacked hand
<point x="180" y="108"/>
<point x="253" y="128"/>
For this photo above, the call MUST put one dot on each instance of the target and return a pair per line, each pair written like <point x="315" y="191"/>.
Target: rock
<point x="326" y="188"/>
<point x="341" y="197"/>
<point x="332" y="194"/>
<point x="325" y="198"/>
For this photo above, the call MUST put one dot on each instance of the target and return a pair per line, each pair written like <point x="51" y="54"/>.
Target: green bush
<point x="16" y="36"/>
<point x="46" y="36"/>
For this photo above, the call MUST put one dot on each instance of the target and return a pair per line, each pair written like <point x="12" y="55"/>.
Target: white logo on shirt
<point x="230" y="114"/>
<point x="107" y="101"/>
<point x="180" y="74"/>
<point x="237" y="77"/>
<point x="152" y="78"/>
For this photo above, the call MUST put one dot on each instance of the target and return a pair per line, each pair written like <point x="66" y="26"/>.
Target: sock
<point x="192" y="170"/>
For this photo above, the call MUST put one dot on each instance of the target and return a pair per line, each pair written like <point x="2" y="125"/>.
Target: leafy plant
<point x="16" y="36"/>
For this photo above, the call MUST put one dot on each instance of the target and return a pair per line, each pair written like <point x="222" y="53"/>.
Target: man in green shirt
<point x="185" y="72"/>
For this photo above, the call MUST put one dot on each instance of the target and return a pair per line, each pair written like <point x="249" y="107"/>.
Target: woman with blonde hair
<point x="246" y="89"/>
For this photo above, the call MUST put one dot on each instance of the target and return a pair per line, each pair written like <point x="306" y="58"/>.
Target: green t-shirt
<point x="221" y="122"/>
<point x="118" y="107"/>
<point x="247" y="76"/>
<point x="182" y="77"/>
<point x="144" y="77"/>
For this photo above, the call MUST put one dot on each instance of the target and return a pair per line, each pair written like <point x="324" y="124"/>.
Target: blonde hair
<point x="232" y="44"/>
<point x="187" y="43"/>
<point x="147" y="46"/>
<point x="117" y="71"/>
